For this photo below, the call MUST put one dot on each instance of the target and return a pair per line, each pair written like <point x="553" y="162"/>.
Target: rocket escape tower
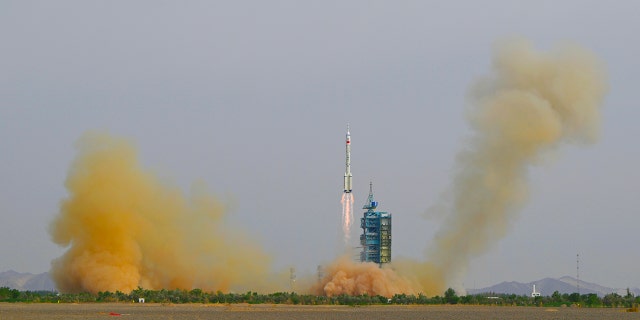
<point x="376" y="233"/>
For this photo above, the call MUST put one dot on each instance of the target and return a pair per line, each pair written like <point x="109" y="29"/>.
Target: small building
<point x="376" y="233"/>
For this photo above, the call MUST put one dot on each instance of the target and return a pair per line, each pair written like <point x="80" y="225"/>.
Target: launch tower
<point x="376" y="233"/>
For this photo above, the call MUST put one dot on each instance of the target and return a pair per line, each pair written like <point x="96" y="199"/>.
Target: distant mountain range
<point x="26" y="281"/>
<point x="548" y="286"/>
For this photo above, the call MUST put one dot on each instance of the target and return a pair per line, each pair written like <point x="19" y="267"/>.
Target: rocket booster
<point x="347" y="173"/>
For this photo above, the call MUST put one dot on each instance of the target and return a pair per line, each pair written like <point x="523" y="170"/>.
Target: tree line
<point x="199" y="296"/>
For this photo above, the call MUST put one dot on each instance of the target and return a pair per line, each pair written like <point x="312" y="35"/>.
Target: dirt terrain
<point x="9" y="311"/>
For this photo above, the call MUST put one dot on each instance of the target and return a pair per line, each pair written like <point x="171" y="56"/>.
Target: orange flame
<point x="347" y="216"/>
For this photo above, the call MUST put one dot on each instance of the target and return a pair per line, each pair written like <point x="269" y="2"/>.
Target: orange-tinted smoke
<point x="530" y="104"/>
<point x="125" y="228"/>
<point x="344" y="276"/>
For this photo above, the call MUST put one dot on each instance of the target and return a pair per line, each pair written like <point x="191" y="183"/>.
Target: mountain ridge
<point x="27" y="281"/>
<point x="547" y="286"/>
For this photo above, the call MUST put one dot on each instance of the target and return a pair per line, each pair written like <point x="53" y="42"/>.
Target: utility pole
<point x="578" y="272"/>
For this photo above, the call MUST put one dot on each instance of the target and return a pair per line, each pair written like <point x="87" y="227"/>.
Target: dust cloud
<point x="344" y="276"/>
<point x="530" y="104"/>
<point x="126" y="228"/>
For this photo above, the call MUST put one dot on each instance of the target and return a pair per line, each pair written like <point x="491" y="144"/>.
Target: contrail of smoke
<point x="126" y="229"/>
<point x="530" y="104"/>
<point x="347" y="216"/>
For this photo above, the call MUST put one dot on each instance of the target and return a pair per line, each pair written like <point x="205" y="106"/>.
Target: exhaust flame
<point x="347" y="216"/>
<point x="125" y="229"/>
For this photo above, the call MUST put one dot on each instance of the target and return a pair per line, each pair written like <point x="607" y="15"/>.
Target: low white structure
<point x="535" y="293"/>
<point x="140" y="300"/>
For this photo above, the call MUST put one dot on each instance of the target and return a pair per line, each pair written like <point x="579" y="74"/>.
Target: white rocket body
<point x="347" y="173"/>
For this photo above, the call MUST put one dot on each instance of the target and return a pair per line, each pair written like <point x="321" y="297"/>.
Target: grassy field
<point x="9" y="311"/>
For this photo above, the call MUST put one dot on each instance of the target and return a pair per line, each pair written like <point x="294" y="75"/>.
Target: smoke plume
<point x="347" y="277"/>
<point x="125" y="228"/>
<point x="530" y="104"/>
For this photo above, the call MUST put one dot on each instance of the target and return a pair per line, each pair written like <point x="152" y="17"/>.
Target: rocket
<point x="347" y="173"/>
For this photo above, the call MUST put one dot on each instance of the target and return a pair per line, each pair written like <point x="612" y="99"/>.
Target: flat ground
<point x="268" y="311"/>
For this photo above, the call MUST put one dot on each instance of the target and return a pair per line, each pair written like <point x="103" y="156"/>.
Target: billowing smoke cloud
<point x="347" y="277"/>
<point x="126" y="228"/>
<point x="530" y="104"/>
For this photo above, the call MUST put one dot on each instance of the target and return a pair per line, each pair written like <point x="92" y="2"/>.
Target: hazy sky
<point x="253" y="97"/>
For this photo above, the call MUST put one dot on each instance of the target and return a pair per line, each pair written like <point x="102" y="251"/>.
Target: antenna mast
<point x="578" y="272"/>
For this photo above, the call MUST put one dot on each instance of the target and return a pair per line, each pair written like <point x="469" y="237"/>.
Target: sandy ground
<point x="10" y="311"/>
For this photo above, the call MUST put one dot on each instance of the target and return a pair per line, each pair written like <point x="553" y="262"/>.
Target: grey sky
<point x="253" y="97"/>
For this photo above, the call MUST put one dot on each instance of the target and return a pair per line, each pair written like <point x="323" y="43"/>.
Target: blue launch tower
<point x="376" y="233"/>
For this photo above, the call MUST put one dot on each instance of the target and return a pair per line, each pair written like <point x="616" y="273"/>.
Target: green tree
<point x="612" y="300"/>
<point x="451" y="297"/>
<point x="8" y="294"/>
<point x="196" y="295"/>
<point x="593" y="300"/>
<point x="574" y="297"/>
<point x="468" y="299"/>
